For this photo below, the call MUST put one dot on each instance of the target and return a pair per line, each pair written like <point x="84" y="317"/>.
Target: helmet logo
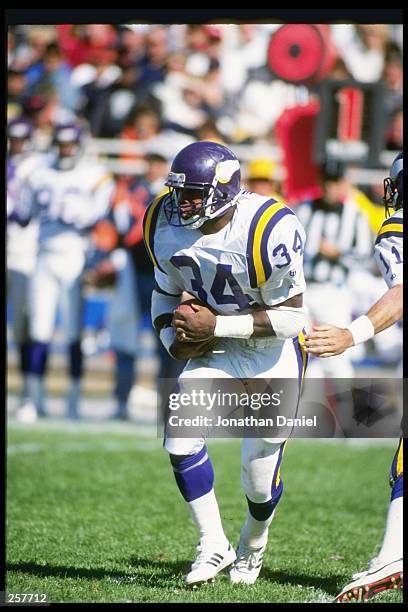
<point x="396" y="168"/>
<point x="225" y="170"/>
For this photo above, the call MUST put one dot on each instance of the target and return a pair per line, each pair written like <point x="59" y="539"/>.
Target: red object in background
<point x="330" y="54"/>
<point x="295" y="131"/>
<point x="301" y="53"/>
<point x="350" y="100"/>
<point x="83" y="43"/>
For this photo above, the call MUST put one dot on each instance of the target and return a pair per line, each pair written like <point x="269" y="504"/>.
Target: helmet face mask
<point x="188" y="204"/>
<point x="205" y="170"/>
<point x="393" y="186"/>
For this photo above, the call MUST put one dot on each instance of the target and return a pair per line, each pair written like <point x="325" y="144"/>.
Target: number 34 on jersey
<point x="256" y="260"/>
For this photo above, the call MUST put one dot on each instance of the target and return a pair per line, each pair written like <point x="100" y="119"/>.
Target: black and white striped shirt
<point x="346" y="227"/>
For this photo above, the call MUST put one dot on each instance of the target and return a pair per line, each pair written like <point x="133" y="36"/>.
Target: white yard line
<point x="78" y="447"/>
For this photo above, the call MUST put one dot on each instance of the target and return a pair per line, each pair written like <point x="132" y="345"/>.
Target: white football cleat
<point x="211" y="559"/>
<point x="27" y="413"/>
<point x="376" y="579"/>
<point x="248" y="564"/>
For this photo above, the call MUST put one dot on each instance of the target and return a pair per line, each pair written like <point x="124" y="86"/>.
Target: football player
<point x="240" y="254"/>
<point x="385" y="570"/>
<point x="21" y="242"/>
<point x="68" y="194"/>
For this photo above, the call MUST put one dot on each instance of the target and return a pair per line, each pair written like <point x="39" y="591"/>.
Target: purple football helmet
<point x="19" y="134"/>
<point x="20" y="129"/>
<point x="393" y="185"/>
<point x="67" y="134"/>
<point x="210" y="169"/>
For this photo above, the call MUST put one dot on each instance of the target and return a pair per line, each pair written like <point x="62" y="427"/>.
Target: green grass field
<point x="95" y="516"/>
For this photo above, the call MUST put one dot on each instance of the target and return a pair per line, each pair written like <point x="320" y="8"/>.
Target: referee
<point x="339" y="240"/>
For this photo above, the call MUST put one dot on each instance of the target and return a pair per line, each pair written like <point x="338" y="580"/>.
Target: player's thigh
<point x="71" y="301"/>
<point x="198" y="375"/>
<point x="211" y="365"/>
<point x="285" y="360"/>
<point x="43" y="301"/>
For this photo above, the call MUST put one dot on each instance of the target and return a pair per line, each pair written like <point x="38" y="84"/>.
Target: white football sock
<point x="206" y="515"/>
<point x="391" y="549"/>
<point x="255" y="533"/>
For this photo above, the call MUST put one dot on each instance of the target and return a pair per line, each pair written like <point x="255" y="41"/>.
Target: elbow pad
<point x="287" y="322"/>
<point x="163" y="304"/>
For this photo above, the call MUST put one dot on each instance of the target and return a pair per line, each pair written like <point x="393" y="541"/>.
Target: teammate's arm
<point x="329" y="340"/>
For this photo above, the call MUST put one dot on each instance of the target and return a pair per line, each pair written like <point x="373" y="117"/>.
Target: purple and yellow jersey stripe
<point x="277" y="475"/>
<point x="262" y="224"/>
<point x="397" y="467"/>
<point x="302" y="356"/>
<point x="149" y="227"/>
<point x="390" y="227"/>
<point x="104" y="179"/>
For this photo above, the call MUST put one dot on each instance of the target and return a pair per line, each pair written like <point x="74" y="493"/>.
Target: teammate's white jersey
<point x="254" y="261"/>
<point x="388" y="250"/>
<point x="67" y="203"/>
<point x="22" y="242"/>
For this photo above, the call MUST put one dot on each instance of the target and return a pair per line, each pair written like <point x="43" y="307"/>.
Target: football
<point x="186" y="306"/>
<point x="187" y="300"/>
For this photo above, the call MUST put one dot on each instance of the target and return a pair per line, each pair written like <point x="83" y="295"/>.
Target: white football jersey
<point x="66" y="203"/>
<point x="255" y="261"/>
<point x="388" y="250"/>
<point x="21" y="241"/>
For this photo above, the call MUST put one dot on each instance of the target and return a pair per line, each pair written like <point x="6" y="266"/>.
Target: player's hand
<point x="328" y="340"/>
<point x="190" y="350"/>
<point x="195" y="326"/>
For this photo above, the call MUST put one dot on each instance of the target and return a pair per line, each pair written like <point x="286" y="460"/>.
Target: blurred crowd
<point x="199" y="80"/>
<point x="163" y="87"/>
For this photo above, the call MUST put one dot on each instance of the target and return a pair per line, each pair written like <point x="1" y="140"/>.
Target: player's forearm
<point x="388" y="310"/>
<point x="262" y="325"/>
<point x="282" y="322"/>
<point x="384" y="313"/>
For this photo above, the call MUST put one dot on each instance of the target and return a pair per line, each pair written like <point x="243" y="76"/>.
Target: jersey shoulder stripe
<point x="262" y="224"/>
<point x="390" y="227"/>
<point x="149" y="228"/>
<point x="101" y="181"/>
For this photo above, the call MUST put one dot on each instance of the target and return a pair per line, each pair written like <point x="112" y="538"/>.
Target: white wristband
<point x="361" y="329"/>
<point x="236" y="326"/>
<point x="167" y="336"/>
